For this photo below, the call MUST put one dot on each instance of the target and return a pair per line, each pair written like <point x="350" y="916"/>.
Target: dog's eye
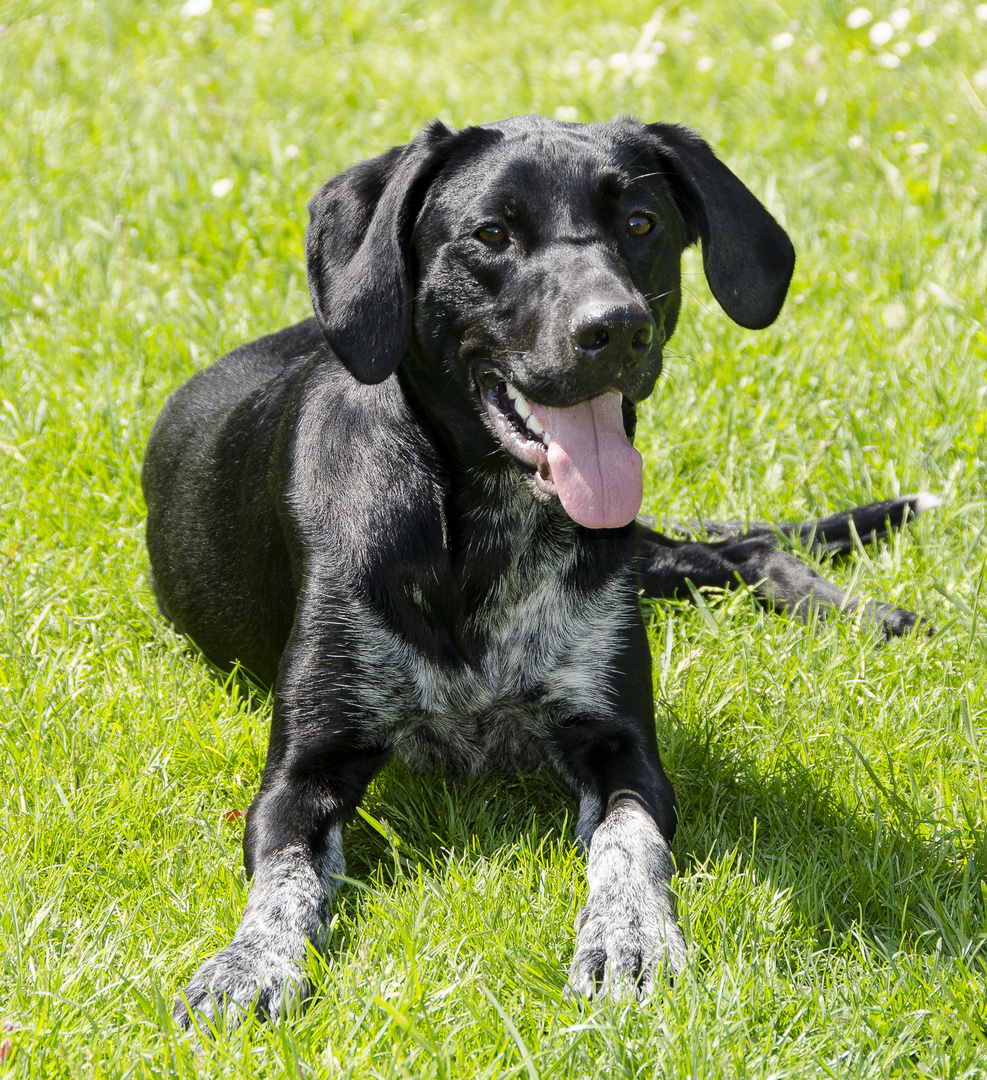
<point x="640" y="224"/>
<point x="494" y="235"/>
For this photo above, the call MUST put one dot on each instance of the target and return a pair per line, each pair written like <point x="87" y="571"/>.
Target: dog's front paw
<point x="236" y="982"/>
<point x="622" y="951"/>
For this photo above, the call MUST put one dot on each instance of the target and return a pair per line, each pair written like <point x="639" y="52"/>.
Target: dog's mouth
<point x="580" y="453"/>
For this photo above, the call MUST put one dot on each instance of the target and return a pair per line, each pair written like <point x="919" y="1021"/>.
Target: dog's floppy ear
<point x="747" y="256"/>
<point x="357" y="249"/>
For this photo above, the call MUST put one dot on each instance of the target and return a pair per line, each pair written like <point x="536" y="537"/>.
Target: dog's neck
<point x="498" y="524"/>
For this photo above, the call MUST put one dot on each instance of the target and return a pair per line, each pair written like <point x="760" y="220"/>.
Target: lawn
<point x="155" y="164"/>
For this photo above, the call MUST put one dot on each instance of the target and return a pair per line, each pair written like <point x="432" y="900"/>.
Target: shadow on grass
<point x="873" y="869"/>
<point x="873" y="872"/>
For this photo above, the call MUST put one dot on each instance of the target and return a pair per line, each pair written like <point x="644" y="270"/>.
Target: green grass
<point x="832" y="866"/>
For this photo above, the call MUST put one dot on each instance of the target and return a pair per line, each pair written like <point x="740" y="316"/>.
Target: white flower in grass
<point x="980" y="79"/>
<point x="902" y="49"/>
<point x="291" y="152"/>
<point x="658" y="47"/>
<point x="627" y="63"/>
<point x="568" y="114"/>
<point x="784" y="40"/>
<point x="981" y="12"/>
<point x="926" y="38"/>
<point x="855" y="142"/>
<point x="193" y="9"/>
<point x="704" y="64"/>
<point x="888" y="60"/>
<point x="859" y="17"/>
<point x="221" y="188"/>
<point x="263" y="22"/>
<point x="880" y="33"/>
<point x="894" y="315"/>
<point x="918" y="148"/>
<point x="813" y="58"/>
<point x="899" y="18"/>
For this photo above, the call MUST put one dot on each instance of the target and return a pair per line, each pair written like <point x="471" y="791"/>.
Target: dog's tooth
<point x="512" y="391"/>
<point x="522" y="408"/>
<point x="534" y="424"/>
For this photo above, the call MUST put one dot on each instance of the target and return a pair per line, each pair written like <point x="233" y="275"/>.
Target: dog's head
<point x="527" y="275"/>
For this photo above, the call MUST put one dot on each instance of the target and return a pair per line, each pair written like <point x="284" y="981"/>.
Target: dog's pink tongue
<point x="596" y="471"/>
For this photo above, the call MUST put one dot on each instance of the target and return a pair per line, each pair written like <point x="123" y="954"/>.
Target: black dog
<point x="415" y="513"/>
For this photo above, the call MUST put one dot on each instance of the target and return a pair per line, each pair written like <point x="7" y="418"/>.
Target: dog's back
<point x="211" y="518"/>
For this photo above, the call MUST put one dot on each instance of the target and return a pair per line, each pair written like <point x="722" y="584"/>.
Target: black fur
<point x="367" y="525"/>
<point x="751" y="555"/>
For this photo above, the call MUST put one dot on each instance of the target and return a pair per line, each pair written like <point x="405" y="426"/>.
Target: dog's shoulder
<point x="362" y="476"/>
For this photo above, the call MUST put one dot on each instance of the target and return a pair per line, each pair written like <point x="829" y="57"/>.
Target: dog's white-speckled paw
<point x="615" y="958"/>
<point x="235" y="983"/>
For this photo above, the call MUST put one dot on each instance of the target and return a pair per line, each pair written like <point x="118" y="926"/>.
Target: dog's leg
<point x="753" y="557"/>
<point x="293" y="849"/>
<point x="627" y="933"/>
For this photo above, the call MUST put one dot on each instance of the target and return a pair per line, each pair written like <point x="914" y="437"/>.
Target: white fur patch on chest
<point x="551" y="649"/>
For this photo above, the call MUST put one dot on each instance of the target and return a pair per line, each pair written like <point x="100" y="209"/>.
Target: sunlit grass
<point x="155" y="167"/>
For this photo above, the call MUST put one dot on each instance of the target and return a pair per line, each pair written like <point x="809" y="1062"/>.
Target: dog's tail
<point x="832" y="535"/>
<point x="754" y="554"/>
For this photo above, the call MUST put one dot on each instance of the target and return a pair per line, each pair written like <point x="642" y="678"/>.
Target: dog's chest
<point x="537" y="660"/>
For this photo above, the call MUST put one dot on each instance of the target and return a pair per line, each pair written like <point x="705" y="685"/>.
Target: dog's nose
<point x="615" y="332"/>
